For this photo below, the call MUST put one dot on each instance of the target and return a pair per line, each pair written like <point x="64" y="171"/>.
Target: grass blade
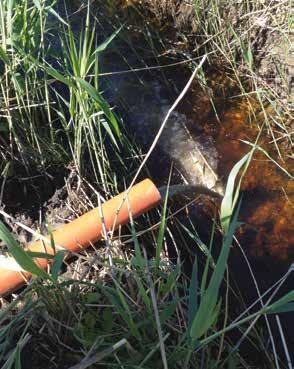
<point x="20" y="256"/>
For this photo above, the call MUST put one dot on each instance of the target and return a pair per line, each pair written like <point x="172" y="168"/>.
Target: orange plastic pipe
<point x="87" y="229"/>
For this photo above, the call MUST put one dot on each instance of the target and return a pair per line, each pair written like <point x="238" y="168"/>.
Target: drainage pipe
<point x="87" y="229"/>
<point x="90" y="227"/>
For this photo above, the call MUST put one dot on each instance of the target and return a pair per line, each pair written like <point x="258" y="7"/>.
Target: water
<point x="204" y="147"/>
<point x="146" y="105"/>
<point x="143" y="100"/>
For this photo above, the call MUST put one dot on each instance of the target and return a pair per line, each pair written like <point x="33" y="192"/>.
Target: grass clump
<point x="52" y="114"/>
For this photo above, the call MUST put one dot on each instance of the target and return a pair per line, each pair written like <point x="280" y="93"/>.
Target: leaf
<point x="42" y="255"/>
<point x="105" y="44"/>
<point x="107" y="320"/>
<point x="37" y="4"/>
<point x="92" y="297"/>
<point x="201" y="244"/>
<point x="102" y="103"/>
<point x="143" y="294"/>
<point x="55" y="14"/>
<point x="248" y="56"/>
<point x="229" y="213"/>
<point x="169" y="310"/>
<point x="284" y="301"/>
<point x="20" y="256"/>
<point x="171" y="280"/>
<point x="206" y="310"/>
<point x="57" y="263"/>
<point x="209" y="261"/>
<point x="287" y="308"/>
<point x="4" y="56"/>
<point x="138" y="260"/>
<point x="121" y="307"/>
<point x="162" y="227"/>
<point x="232" y="193"/>
<point x="51" y="71"/>
<point x="193" y="301"/>
<point x="55" y="74"/>
<point x="108" y="130"/>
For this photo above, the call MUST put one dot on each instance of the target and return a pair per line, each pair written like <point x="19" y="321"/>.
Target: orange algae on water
<point x="268" y="192"/>
<point x="268" y="203"/>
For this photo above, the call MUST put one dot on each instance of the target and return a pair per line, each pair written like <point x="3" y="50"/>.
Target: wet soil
<point x="60" y="202"/>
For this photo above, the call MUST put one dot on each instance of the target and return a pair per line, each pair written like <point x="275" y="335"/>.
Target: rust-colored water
<point x="269" y="193"/>
<point x="268" y="202"/>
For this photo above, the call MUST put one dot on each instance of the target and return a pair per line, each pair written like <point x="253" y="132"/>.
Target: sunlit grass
<point x="52" y="115"/>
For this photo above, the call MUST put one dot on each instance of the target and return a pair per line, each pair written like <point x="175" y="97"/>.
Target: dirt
<point x="277" y="65"/>
<point x="66" y="203"/>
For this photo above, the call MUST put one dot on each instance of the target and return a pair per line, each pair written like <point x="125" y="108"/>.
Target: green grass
<point x="41" y="128"/>
<point x="130" y="305"/>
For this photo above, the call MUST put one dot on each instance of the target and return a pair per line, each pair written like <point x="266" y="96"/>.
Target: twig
<point x="86" y="362"/>
<point x="156" y="139"/>
<point x="289" y="362"/>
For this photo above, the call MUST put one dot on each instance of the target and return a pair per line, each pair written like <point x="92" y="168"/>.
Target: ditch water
<point x="205" y="147"/>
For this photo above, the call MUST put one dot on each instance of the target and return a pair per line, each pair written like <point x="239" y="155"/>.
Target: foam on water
<point x="197" y="160"/>
<point x="195" y="157"/>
